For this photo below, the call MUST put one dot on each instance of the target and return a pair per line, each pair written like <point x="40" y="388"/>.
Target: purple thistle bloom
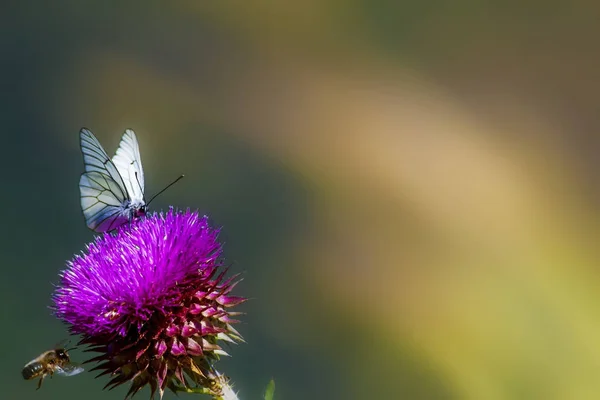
<point x="151" y="299"/>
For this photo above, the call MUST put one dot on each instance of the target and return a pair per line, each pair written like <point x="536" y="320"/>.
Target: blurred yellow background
<point x="410" y="189"/>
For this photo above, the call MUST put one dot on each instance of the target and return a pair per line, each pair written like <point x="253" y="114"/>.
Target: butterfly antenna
<point x="168" y="186"/>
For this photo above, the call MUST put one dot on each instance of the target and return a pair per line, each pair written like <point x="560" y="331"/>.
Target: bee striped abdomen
<point x="32" y="370"/>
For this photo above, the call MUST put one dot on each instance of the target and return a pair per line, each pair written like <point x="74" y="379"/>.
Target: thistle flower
<point x="153" y="300"/>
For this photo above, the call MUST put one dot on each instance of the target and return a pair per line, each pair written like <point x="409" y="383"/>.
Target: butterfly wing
<point x="104" y="197"/>
<point x="96" y="159"/>
<point x="102" y="202"/>
<point x="69" y="370"/>
<point x="129" y="164"/>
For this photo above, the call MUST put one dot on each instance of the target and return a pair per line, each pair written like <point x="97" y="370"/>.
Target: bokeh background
<point x="409" y="188"/>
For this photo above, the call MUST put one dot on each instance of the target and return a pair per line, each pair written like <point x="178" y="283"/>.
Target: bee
<point x="49" y="362"/>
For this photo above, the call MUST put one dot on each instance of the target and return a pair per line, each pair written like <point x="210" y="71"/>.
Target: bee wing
<point x="69" y="370"/>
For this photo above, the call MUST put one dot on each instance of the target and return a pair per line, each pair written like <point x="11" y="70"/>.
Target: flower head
<point x="153" y="301"/>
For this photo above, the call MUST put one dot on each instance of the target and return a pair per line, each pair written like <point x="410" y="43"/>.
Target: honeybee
<point x="48" y="363"/>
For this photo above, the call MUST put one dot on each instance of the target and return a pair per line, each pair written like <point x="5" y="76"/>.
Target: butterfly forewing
<point x="96" y="159"/>
<point x="128" y="162"/>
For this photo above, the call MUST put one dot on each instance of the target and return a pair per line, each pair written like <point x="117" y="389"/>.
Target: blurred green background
<point x="409" y="188"/>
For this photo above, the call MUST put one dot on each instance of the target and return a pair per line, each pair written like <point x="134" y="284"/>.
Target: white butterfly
<point x="112" y="191"/>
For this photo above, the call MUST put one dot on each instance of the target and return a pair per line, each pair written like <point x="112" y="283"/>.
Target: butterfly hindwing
<point x="102" y="201"/>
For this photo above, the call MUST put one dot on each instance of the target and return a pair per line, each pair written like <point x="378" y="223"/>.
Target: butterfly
<point x="112" y="190"/>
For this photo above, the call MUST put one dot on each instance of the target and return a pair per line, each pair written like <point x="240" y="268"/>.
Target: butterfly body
<point x="112" y="190"/>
